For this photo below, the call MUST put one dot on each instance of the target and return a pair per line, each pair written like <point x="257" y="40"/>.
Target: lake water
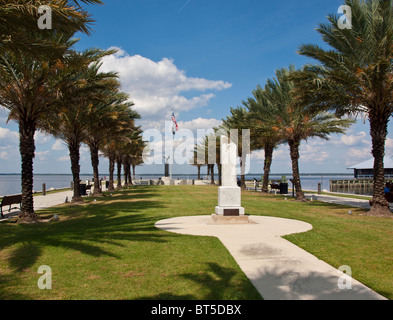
<point x="11" y="184"/>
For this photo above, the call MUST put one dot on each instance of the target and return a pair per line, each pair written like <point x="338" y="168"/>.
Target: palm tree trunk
<point x="27" y="149"/>
<point x="266" y="169"/>
<point x="125" y="174"/>
<point x="199" y="172"/>
<point x="119" y="163"/>
<point x="95" y="163"/>
<point x="219" y="166"/>
<point x="211" y="166"/>
<point x="133" y="171"/>
<point x="111" y="171"/>
<point x="379" y="130"/>
<point x="294" y="151"/>
<point x="73" y="148"/>
<point x="242" y="170"/>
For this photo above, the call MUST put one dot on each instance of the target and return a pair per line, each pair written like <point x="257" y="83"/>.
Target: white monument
<point x="229" y="195"/>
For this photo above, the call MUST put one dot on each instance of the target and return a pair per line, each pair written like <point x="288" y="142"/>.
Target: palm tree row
<point x="353" y="77"/>
<point x="275" y="116"/>
<point x="47" y="85"/>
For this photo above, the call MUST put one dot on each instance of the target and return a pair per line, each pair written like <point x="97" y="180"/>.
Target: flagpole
<point x="174" y="129"/>
<point x="173" y="142"/>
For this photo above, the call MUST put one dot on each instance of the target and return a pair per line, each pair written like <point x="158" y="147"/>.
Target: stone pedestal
<point x="229" y="195"/>
<point x="229" y="202"/>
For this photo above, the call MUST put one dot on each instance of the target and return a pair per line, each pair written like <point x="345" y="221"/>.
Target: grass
<point x="110" y="249"/>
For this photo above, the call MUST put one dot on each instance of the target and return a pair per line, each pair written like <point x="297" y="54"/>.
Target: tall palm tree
<point x="355" y="76"/>
<point x="28" y="89"/>
<point x="262" y="136"/>
<point x="205" y="151"/>
<point x="108" y="149"/>
<point x="295" y="122"/>
<point x="138" y="147"/>
<point x="69" y="121"/>
<point x="110" y="109"/>
<point x="194" y="161"/>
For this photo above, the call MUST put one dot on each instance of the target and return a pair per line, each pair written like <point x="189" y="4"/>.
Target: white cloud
<point x="41" y="138"/>
<point x="360" y="138"/>
<point x="64" y="159"/>
<point x="4" y="155"/>
<point x="42" y="155"/>
<point x="155" y="87"/>
<point x="389" y="146"/>
<point x="364" y="153"/>
<point x="310" y="153"/>
<point x="200" y="123"/>
<point x="58" y="145"/>
<point x="8" y="136"/>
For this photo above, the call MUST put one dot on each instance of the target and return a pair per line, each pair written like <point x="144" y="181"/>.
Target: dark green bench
<point x="9" y="201"/>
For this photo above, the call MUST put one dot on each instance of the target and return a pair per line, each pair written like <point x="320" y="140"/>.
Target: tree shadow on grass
<point x="221" y="285"/>
<point x="24" y="256"/>
<point x="217" y="283"/>
<point x="91" y="229"/>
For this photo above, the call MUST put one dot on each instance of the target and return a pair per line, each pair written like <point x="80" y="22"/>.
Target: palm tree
<point x="194" y="161"/>
<point x="262" y="136"/>
<point x="205" y="152"/>
<point x="29" y="91"/>
<point x="19" y="31"/>
<point x="129" y="149"/>
<point x="110" y="109"/>
<point x="295" y="122"/>
<point x="355" y="76"/>
<point x="108" y="148"/>
<point x="69" y="121"/>
<point x="138" y="147"/>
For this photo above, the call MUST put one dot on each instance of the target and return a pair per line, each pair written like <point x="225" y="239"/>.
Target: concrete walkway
<point x="351" y="202"/>
<point x="278" y="269"/>
<point x="42" y="202"/>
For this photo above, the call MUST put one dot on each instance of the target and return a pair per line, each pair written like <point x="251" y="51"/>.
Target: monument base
<point x="219" y="219"/>
<point x="230" y="211"/>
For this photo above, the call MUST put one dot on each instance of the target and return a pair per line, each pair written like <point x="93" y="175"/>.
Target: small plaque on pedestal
<point x="231" y="212"/>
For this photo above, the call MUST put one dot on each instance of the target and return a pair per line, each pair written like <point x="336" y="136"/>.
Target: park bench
<point x="274" y="188"/>
<point x="9" y="201"/>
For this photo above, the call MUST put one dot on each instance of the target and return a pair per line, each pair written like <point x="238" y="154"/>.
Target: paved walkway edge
<point x="277" y="268"/>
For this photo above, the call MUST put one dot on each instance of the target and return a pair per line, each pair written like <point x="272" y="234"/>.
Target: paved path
<point x="43" y="202"/>
<point x="351" y="202"/>
<point x="277" y="268"/>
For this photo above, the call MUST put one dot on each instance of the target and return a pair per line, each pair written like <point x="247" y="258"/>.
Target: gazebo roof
<point x="369" y="164"/>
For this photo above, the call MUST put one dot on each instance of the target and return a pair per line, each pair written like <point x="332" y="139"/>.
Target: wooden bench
<point x="9" y="201"/>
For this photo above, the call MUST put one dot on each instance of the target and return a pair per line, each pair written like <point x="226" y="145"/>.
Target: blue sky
<point x="200" y="58"/>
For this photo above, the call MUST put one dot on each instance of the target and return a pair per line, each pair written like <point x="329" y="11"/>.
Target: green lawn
<point x="110" y="249"/>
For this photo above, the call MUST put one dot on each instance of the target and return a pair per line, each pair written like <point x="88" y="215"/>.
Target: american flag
<point x="175" y="127"/>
